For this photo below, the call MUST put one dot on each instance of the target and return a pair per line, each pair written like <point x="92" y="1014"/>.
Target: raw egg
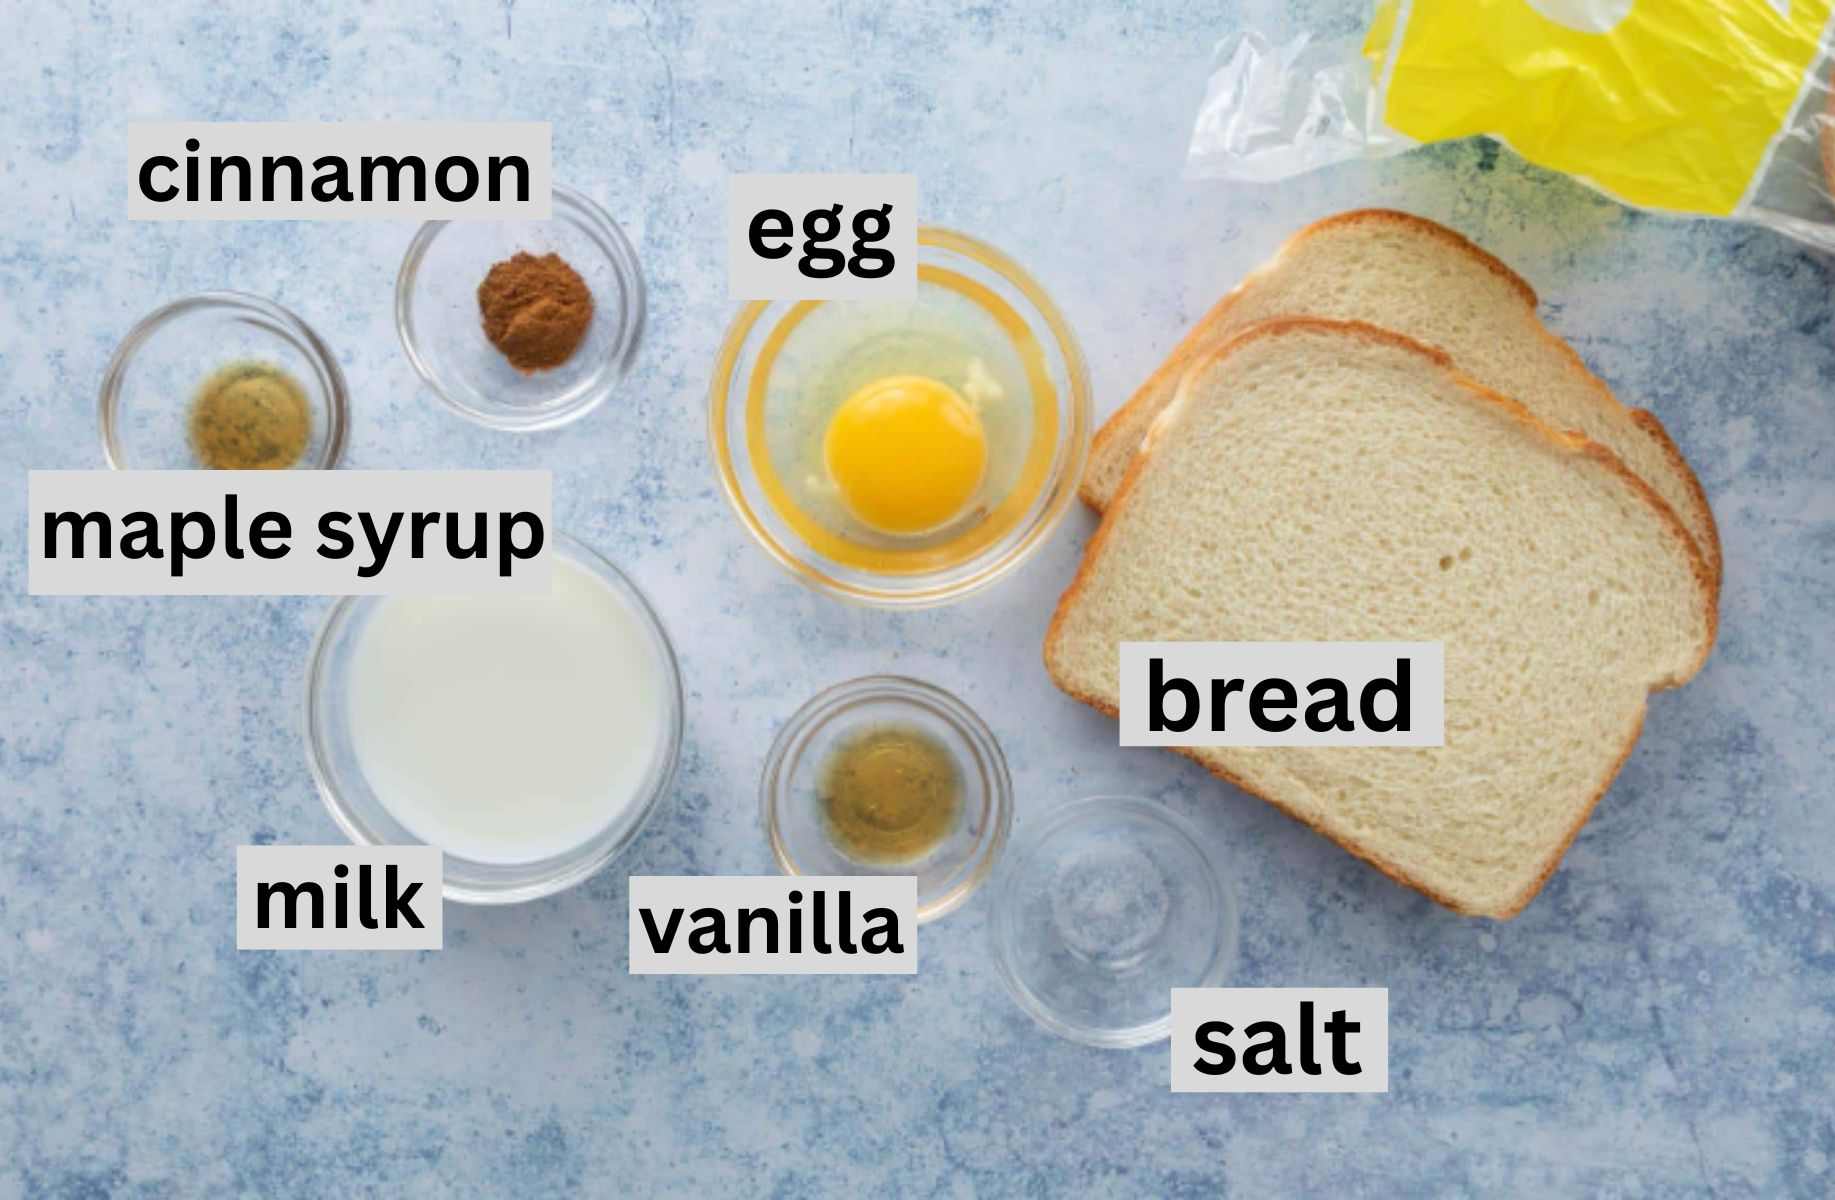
<point x="906" y="452"/>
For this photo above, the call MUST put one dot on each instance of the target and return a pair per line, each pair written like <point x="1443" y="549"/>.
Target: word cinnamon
<point x="536" y="310"/>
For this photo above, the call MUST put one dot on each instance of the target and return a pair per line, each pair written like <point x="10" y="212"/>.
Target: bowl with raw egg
<point x="904" y="452"/>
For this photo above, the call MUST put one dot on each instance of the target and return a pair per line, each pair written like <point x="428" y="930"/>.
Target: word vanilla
<point x="758" y="930"/>
<point x="772" y="925"/>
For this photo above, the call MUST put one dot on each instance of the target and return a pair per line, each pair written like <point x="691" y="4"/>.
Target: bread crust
<point x="1828" y="136"/>
<point x="1183" y="356"/>
<point x="1708" y="544"/>
<point x="1565" y="439"/>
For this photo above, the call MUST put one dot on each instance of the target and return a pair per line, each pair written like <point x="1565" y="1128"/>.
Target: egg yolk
<point x="907" y="453"/>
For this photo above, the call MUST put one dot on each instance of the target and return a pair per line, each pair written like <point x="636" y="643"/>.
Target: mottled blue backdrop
<point x="1658" y="1024"/>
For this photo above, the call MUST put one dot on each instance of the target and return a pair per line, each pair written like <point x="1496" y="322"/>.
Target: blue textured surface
<point x="1658" y="1023"/>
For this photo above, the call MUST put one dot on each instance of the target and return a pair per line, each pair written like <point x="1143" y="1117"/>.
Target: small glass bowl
<point x="1105" y="906"/>
<point x="737" y="417"/>
<point x="436" y="314"/>
<point x="160" y="364"/>
<point x="366" y="820"/>
<point x="792" y="805"/>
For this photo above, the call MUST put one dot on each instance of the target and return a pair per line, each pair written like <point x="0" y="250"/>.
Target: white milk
<point x="506" y="729"/>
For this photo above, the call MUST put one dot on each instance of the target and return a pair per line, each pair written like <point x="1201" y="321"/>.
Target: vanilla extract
<point x="890" y="794"/>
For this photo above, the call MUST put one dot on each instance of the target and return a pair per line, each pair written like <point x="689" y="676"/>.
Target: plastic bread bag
<point x="1718" y="108"/>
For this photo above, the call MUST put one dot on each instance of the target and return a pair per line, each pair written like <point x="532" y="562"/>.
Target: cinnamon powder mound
<point x="535" y="309"/>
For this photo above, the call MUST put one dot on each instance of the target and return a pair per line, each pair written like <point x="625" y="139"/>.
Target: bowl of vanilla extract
<point x="889" y="776"/>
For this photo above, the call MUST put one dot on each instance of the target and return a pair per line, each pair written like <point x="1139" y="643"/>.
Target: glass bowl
<point x="751" y="426"/>
<point x="436" y="314"/>
<point x="792" y="804"/>
<point x="365" y="817"/>
<point x="160" y="364"/>
<point x="1105" y="906"/>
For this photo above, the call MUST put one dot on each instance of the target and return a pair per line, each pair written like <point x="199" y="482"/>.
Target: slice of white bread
<point x="1327" y="481"/>
<point x="1424" y="281"/>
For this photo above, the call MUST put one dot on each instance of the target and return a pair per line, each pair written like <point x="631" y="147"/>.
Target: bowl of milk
<point x="528" y="737"/>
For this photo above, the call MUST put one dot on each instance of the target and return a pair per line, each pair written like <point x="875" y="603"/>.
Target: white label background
<point x="750" y="276"/>
<point x="430" y="141"/>
<point x="1299" y="663"/>
<point x="301" y="496"/>
<point x="729" y="893"/>
<point x="313" y="864"/>
<point x="1242" y="1007"/>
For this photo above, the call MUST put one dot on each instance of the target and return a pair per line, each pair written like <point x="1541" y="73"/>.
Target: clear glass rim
<point x="792" y="739"/>
<point x="1031" y="839"/>
<point x="1061" y="488"/>
<point x="569" y="869"/>
<point x="612" y="242"/>
<point x="337" y="395"/>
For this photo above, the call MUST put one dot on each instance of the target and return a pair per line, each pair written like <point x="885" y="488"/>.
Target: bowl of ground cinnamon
<point x="522" y="325"/>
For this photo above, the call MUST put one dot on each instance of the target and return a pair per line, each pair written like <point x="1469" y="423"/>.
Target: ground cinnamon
<point x="535" y="309"/>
